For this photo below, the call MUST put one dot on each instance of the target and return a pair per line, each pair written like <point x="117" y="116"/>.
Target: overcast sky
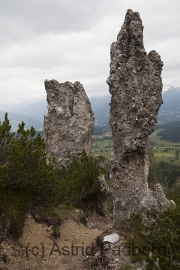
<point x="69" y="40"/>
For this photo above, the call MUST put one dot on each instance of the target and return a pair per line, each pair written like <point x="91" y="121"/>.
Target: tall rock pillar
<point x="68" y="129"/>
<point x="135" y="85"/>
<point x="69" y="124"/>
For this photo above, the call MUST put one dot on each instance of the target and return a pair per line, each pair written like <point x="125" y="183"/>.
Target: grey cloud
<point x="26" y="18"/>
<point x="70" y="40"/>
<point x="20" y="19"/>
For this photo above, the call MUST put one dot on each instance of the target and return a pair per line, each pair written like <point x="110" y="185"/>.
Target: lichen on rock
<point x="135" y="85"/>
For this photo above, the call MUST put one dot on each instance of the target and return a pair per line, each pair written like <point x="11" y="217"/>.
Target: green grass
<point x="104" y="154"/>
<point x="159" y="158"/>
<point x="163" y="150"/>
<point x="166" y="143"/>
<point x="100" y="143"/>
<point x="99" y="147"/>
<point x="127" y="267"/>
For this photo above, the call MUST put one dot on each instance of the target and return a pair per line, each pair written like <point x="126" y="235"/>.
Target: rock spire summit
<point x="135" y="85"/>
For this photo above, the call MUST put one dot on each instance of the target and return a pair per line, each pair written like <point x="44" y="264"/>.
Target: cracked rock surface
<point x="135" y="85"/>
<point x="69" y="124"/>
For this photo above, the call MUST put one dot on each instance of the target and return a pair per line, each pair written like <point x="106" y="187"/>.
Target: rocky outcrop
<point x="135" y="85"/>
<point x="68" y="129"/>
<point x="69" y="124"/>
<point x="102" y="206"/>
<point x="97" y="202"/>
<point x="110" y="251"/>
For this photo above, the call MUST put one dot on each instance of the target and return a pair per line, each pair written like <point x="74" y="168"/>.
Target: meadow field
<point x="163" y="150"/>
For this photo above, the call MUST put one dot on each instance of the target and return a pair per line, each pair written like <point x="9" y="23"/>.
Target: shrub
<point x="13" y="206"/>
<point x="26" y="178"/>
<point x="81" y="178"/>
<point x="162" y="238"/>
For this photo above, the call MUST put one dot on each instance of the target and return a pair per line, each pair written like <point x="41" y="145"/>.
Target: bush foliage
<point x="23" y="163"/>
<point x="81" y="178"/>
<point x="24" y="169"/>
<point x="161" y="239"/>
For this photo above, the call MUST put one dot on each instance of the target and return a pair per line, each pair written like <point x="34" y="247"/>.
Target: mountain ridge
<point x="16" y="119"/>
<point x="169" y="111"/>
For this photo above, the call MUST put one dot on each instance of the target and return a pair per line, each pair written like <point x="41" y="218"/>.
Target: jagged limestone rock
<point x="135" y="85"/>
<point x="69" y="124"/>
<point x="68" y="129"/>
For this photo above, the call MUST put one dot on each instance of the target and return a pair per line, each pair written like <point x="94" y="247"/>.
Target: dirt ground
<point x="37" y="249"/>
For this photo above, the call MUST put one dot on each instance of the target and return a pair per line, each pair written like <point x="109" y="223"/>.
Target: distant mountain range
<point x="170" y="109"/>
<point x="15" y="119"/>
<point x="36" y="109"/>
<point x="32" y="113"/>
<point x="101" y="108"/>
